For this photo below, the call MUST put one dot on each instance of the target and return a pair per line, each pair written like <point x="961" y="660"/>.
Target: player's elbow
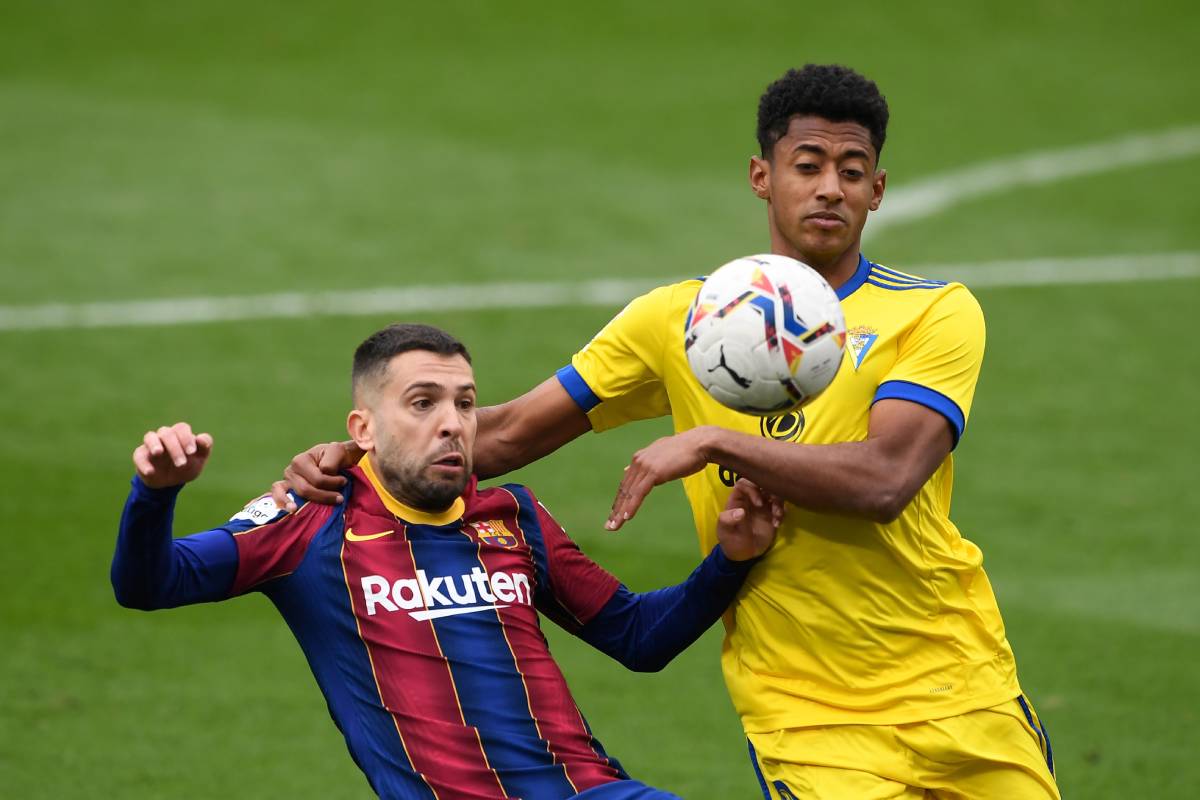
<point x="885" y="502"/>
<point x="130" y="595"/>
<point x="648" y="663"/>
<point x="138" y="601"/>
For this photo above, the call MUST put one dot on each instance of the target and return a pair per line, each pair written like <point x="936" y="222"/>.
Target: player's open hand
<point x="314" y="475"/>
<point x="171" y="456"/>
<point x="666" y="459"/>
<point x="746" y="528"/>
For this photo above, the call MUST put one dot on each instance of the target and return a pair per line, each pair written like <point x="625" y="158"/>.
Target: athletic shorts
<point x="1000" y="752"/>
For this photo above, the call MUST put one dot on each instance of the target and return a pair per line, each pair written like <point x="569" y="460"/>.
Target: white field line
<point x="906" y="203"/>
<point x="399" y="301"/>
<point x="936" y="193"/>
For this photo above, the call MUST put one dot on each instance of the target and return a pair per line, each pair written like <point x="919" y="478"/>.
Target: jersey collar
<point x="407" y="513"/>
<point x="856" y="280"/>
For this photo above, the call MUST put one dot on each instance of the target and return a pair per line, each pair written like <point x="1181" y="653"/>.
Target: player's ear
<point x="358" y="425"/>
<point x="878" y="184"/>
<point x="760" y="177"/>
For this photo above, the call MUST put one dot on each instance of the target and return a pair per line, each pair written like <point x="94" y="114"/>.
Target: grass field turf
<point x="154" y="151"/>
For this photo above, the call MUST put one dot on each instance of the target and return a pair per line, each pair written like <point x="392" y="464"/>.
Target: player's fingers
<point x="305" y="474"/>
<point x="732" y="516"/>
<point x="279" y="493"/>
<point x="752" y="493"/>
<point x="204" y="444"/>
<point x="187" y="439"/>
<point x="628" y="480"/>
<point x="171" y="444"/>
<point x="153" y="444"/>
<point x="632" y="501"/>
<point x="301" y="486"/>
<point x="331" y="457"/>
<point x="141" y="461"/>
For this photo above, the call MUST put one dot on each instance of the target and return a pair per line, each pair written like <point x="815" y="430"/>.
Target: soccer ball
<point x="765" y="334"/>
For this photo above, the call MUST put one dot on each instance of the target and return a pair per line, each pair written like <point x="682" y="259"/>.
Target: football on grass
<point x="765" y="334"/>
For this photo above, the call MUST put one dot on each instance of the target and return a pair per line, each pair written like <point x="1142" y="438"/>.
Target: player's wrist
<point x="153" y="490"/>
<point x="708" y="440"/>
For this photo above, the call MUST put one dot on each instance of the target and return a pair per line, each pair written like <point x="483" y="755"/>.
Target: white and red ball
<point x="765" y="334"/>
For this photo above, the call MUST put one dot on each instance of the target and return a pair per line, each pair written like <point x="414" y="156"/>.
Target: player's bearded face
<point x="424" y="429"/>
<point x="821" y="182"/>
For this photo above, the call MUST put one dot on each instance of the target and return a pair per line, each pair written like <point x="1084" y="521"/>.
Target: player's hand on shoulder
<point x="746" y="528"/>
<point x="315" y="475"/>
<point x="171" y="456"/>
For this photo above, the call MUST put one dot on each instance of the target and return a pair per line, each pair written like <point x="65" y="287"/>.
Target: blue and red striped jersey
<point x="422" y="630"/>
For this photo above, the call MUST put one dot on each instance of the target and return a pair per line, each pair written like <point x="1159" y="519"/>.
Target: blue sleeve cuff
<point x="916" y="393"/>
<point x="727" y="566"/>
<point x="163" y="495"/>
<point x="577" y="387"/>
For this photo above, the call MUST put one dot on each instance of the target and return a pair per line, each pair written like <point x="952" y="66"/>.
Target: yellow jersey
<point x="844" y="620"/>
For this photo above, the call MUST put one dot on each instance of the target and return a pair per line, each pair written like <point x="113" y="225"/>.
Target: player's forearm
<point x="644" y="631"/>
<point x="860" y="479"/>
<point x="151" y="570"/>
<point x="521" y="431"/>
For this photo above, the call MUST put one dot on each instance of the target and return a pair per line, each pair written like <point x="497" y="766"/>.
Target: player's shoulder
<point x="908" y="288"/>
<point x="261" y="512"/>
<point x="662" y="301"/>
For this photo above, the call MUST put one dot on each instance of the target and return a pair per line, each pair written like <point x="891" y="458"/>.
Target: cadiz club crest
<point x="858" y="343"/>
<point x="494" y="532"/>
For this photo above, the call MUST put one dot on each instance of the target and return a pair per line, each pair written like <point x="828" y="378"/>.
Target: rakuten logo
<point x="446" y="596"/>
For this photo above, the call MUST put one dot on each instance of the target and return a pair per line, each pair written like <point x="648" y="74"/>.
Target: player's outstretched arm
<point x="645" y="631"/>
<point x="149" y="569"/>
<point x="527" y="428"/>
<point x="874" y="478"/>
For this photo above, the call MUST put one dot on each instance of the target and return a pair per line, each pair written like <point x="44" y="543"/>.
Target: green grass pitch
<point x="159" y="150"/>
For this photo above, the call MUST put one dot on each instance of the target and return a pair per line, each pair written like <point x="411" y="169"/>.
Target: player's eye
<point x="422" y="404"/>
<point x="466" y="404"/>
<point x="854" y="174"/>
<point x="806" y="166"/>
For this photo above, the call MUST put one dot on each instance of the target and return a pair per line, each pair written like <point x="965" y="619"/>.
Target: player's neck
<point x="836" y="270"/>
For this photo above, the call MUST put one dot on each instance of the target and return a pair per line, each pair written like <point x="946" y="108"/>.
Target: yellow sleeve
<point x="617" y="377"/>
<point x="939" y="359"/>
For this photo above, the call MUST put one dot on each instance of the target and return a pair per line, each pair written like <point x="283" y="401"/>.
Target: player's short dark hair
<point x="372" y="357"/>
<point x="830" y="91"/>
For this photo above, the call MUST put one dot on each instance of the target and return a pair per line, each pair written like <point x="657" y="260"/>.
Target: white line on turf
<point x="934" y="194"/>
<point x="397" y="301"/>
<point x="922" y="199"/>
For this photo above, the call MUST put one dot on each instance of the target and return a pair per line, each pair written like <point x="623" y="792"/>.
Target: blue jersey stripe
<point x="491" y="694"/>
<point x="527" y="518"/>
<point x="577" y="387"/>
<point x="342" y="665"/>
<point x="902" y="287"/>
<point x="891" y="274"/>
<point x="930" y="398"/>
<point x="762" y="782"/>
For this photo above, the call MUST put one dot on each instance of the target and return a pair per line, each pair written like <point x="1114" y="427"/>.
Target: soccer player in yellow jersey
<point x="866" y="654"/>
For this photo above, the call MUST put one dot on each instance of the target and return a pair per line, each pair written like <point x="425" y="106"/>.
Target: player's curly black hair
<point x="831" y="91"/>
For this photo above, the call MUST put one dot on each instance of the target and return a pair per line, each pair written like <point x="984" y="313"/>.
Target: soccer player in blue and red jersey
<point x="416" y="599"/>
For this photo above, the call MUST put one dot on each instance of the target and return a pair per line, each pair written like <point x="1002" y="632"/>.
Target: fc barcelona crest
<point x="494" y="532"/>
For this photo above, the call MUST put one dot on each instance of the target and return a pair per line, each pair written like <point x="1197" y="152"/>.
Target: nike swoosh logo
<point x="450" y="612"/>
<point x="354" y="537"/>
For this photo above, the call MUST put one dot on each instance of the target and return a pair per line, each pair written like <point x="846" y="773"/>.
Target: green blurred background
<point x="163" y="150"/>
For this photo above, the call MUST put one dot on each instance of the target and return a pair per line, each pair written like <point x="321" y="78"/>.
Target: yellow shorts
<point x="1001" y="752"/>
